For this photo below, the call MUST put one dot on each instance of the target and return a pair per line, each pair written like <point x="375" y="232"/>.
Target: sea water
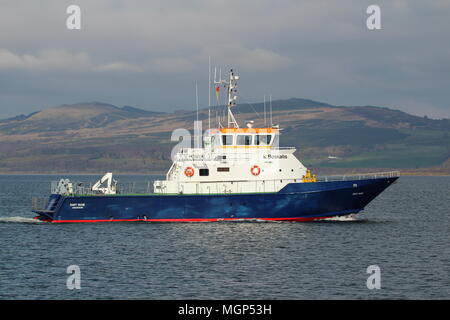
<point x="404" y="232"/>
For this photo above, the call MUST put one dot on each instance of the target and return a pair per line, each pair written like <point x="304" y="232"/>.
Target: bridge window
<point x="263" y="139"/>
<point x="244" y="140"/>
<point x="204" y="172"/>
<point x="276" y="141"/>
<point x="227" y="139"/>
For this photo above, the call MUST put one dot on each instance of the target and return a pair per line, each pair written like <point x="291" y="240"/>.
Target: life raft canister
<point x="255" y="170"/>
<point x="189" y="171"/>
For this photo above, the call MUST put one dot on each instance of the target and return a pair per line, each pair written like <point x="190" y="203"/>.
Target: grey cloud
<point x="44" y="60"/>
<point x="313" y="49"/>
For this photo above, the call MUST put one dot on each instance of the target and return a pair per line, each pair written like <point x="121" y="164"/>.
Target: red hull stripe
<point x="191" y="220"/>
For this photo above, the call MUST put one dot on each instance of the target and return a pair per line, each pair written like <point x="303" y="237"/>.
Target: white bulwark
<point x="234" y="160"/>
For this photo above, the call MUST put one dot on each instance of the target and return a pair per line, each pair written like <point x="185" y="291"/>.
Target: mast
<point x="231" y="84"/>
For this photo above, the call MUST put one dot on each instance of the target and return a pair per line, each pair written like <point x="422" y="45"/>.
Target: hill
<point x="97" y="137"/>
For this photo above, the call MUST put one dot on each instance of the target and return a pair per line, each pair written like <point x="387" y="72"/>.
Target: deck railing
<point x="359" y="176"/>
<point x="266" y="186"/>
<point x="39" y="203"/>
<point x="82" y="188"/>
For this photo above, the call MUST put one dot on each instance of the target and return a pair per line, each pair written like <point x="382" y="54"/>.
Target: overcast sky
<point x="149" y="54"/>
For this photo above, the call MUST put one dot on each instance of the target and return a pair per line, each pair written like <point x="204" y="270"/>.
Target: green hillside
<point x="97" y="137"/>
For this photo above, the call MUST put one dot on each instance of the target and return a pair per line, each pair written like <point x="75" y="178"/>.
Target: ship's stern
<point x="45" y="208"/>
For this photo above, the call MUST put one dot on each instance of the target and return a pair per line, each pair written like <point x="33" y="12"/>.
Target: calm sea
<point x="405" y="232"/>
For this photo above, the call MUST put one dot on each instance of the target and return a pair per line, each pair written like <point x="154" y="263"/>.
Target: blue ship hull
<point x="295" y="202"/>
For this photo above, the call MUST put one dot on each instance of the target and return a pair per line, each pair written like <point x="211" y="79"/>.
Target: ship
<point x="234" y="174"/>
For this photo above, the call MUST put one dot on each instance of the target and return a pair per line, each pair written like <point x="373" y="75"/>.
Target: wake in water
<point x="350" y="217"/>
<point x="19" y="220"/>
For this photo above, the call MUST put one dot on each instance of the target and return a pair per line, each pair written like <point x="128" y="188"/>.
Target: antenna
<point x="196" y="97"/>
<point x="271" y="121"/>
<point x="264" y="109"/>
<point x="209" y="93"/>
<point x="197" y="138"/>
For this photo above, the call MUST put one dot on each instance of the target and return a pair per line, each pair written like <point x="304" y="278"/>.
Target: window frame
<point x="244" y="135"/>
<point x="258" y="141"/>
<point x="224" y="139"/>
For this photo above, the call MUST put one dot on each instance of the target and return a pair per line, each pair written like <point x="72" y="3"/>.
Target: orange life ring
<point x="189" y="171"/>
<point x="255" y="170"/>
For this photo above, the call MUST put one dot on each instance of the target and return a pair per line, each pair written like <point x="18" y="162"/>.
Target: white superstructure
<point x="234" y="160"/>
